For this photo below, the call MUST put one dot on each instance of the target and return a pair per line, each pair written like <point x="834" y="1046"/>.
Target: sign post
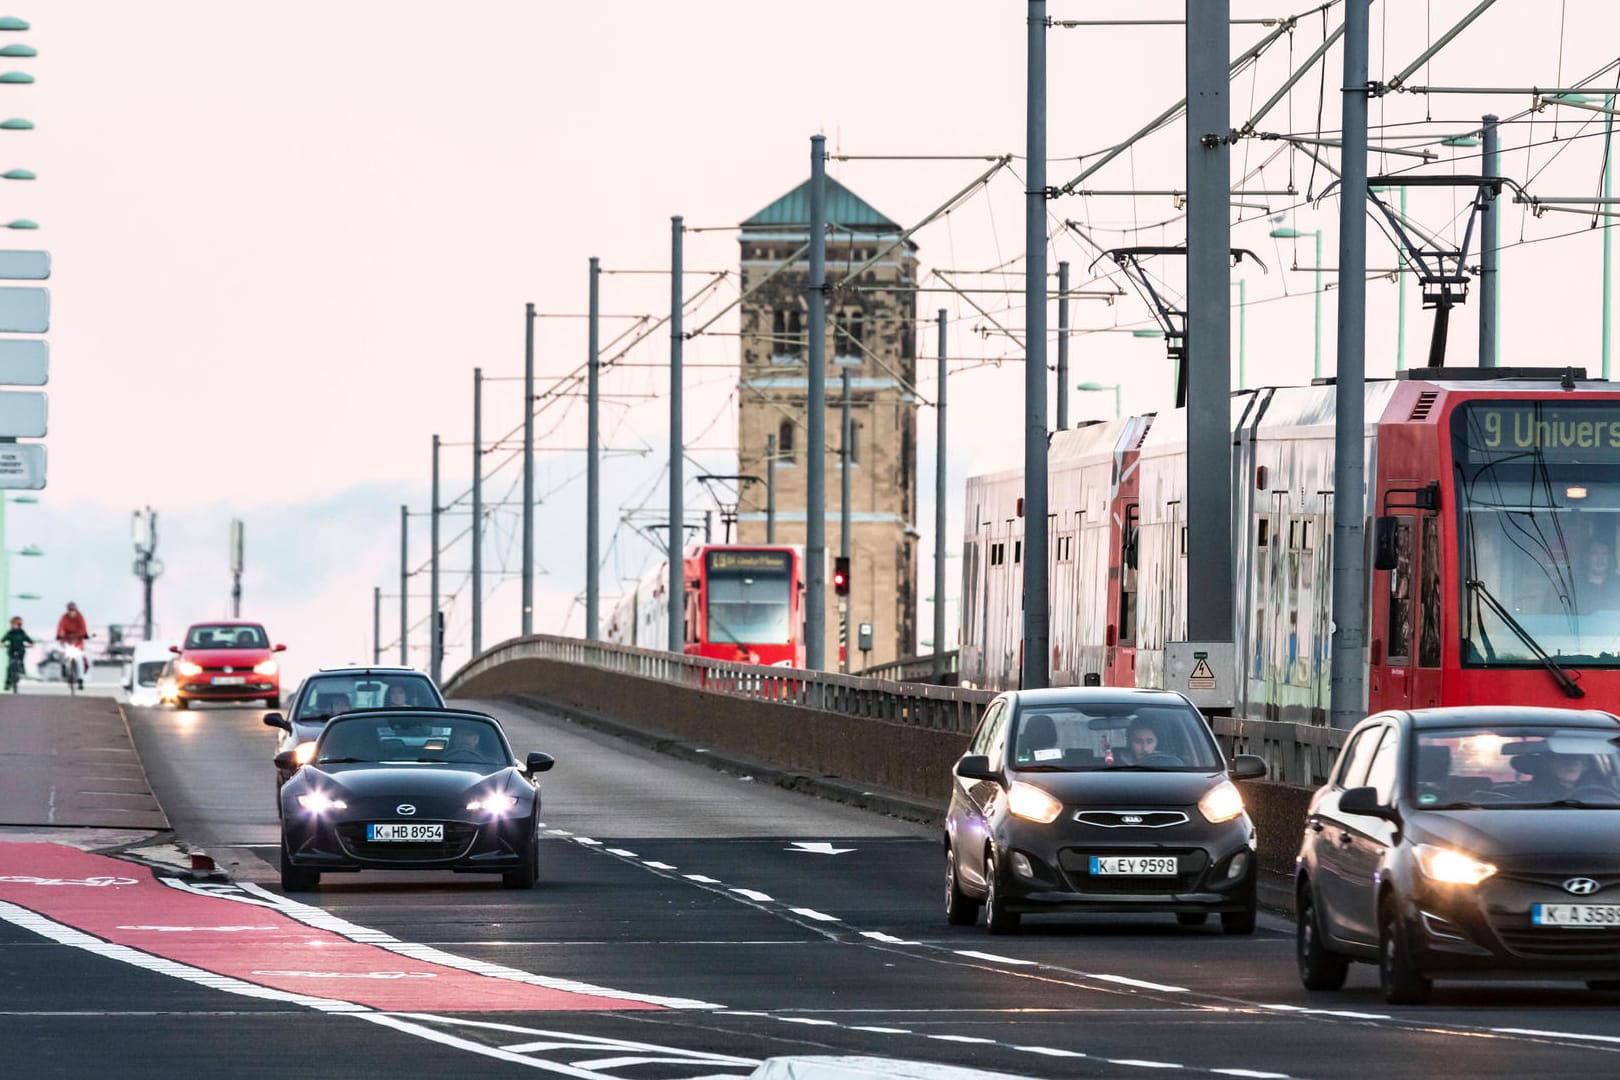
<point x="236" y="568"/>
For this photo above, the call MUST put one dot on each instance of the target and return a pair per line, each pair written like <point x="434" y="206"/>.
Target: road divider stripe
<point x="812" y="913"/>
<point x="975" y="955"/>
<point x="753" y="894"/>
<point x="1122" y="980"/>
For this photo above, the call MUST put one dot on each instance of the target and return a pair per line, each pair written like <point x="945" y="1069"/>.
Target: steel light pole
<point x="1286" y="233"/>
<point x="1102" y="388"/>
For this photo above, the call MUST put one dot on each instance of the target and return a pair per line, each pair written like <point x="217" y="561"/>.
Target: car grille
<point x="1131" y="819"/>
<point x="1076" y="865"/>
<point x="1525" y="939"/>
<point x="458" y="838"/>
<point x="1509" y="896"/>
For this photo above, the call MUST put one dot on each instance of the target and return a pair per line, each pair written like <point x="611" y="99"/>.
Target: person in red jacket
<point x="70" y="628"/>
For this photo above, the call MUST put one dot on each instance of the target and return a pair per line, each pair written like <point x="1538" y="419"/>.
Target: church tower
<point x="871" y="334"/>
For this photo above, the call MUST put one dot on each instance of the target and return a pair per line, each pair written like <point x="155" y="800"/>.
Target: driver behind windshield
<point x="1559" y="776"/>
<point x="1141" y="742"/>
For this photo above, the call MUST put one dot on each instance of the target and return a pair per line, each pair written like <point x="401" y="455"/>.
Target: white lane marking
<point x="818" y="848"/>
<point x="882" y="1030"/>
<point x="1555" y="1034"/>
<point x="78" y="939"/>
<point x="324" y="920"/>
<point x="1123" y="981"/>
<point x="962" y="1039"/>
<point x="752" y="894"/>
<point x="657" y="865"/>
<point x="993" y="956"/>
<point x="623" y="854"/>
<point x="558" y="832"/>
<point x="807" y="1020"/>
<point x="812" y="913"/>
<point x="1051" y="1051"/>
<point x="587" y="841"/>
<point x="96" y="882"/>
<point x="887" y="939"/>
<point x="444" y="1038"/>
<point x="1251" y="1074"/>
<point x="702" y="880"/>
<point x="1344" y="1013"/>
<point x="1144" y="1064"/>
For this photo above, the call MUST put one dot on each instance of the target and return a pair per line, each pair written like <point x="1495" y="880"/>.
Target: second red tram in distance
<point x="1493" y="547"/>
<point x="741" y="602"/>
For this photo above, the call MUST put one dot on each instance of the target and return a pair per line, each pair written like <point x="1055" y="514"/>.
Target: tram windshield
<point x="749" y="597"/>
<point x="1538" y="504"/>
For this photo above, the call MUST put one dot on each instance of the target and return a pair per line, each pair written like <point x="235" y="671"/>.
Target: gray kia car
<point x="1098" y="799"/>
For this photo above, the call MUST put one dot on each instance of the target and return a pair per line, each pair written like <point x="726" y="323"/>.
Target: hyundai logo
<point x="1581" y="886"/>
<point x="405" y="809"/>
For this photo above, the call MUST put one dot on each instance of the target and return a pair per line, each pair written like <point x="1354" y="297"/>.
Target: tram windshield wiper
<point x="1560" y="674"/>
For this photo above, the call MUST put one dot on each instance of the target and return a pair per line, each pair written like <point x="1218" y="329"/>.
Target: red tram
<point x="1493" y="504"/>
<point x="742" y="603"/>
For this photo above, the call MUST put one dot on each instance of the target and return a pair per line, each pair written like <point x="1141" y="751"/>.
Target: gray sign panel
<point x="22" y="466"/>
<point x="22" y="414"/>
<point x="24" y="310"/>
<point x="24" y="362"/>
<point x="25" y="265"/>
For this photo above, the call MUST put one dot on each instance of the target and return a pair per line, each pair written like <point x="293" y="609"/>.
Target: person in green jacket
<point x="17" y="642"/>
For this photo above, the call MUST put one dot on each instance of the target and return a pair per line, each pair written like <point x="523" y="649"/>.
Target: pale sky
<point x="284" y="234"/>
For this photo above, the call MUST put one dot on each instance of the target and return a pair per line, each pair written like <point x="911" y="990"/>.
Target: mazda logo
<point x="405" y="809"/>
<point x="1581" y="886"/>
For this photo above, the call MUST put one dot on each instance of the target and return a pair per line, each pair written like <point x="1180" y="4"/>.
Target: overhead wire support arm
<point x="1288" y="84"/>
<point x="1398" y="81"/>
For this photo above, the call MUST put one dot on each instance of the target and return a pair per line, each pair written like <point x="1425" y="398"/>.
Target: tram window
<point x="1018" y="551"/>
<point x="1429" y="596"/>
<point x="1398" y="631"/>
<point x="1264" y="536"/>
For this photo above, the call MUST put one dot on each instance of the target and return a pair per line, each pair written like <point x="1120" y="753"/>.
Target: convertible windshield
<point x="227" y="637"/>
<point x="1538" y="496"/>
<point x="1507" y="767"/>
<point x="415" y="739"/>
<point x="1101" y="735"/>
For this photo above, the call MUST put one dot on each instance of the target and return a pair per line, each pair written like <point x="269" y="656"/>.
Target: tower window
<point x="784" y="441"/>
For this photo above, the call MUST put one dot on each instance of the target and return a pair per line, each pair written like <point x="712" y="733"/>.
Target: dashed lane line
<point x="812" y="913"/>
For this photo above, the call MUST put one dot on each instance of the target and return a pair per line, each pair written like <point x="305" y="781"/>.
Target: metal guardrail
<point x="911" y="669"/>
<point x="1297" y="753"/>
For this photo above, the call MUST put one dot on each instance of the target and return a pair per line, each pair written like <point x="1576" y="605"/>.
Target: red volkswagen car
<point x="227" y="661"/>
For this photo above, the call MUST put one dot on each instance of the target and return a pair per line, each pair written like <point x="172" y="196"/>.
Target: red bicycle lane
<point x="124" y="904"/>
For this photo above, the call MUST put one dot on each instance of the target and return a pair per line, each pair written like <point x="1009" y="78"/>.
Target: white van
<point x="146" y="666"/>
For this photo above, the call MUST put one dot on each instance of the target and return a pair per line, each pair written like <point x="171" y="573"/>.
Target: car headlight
<point x="304" y="752"/>
<point x="265" y="667"/>
<point x="1030" y="802"/>
<point x="495" y="804"/>
<point x="317" y="802"/>
<point x="186" y="667"/>
<point x="1221" y="803"/>
<point x="1451" y="867"/>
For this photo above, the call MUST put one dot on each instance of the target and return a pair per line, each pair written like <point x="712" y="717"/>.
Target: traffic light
<point x="841" y="575"/>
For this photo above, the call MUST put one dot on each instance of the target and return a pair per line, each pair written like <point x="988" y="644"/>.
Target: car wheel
<point x="1192" y="918"/>
<point x="294" y="878"/>
<point x="273" y="702"/>
<point x="960" y="908"/>
<point x="1319" y="969"/>
<point x="1398" y="976"/>
<point x="997" y="919"/>
<point x="1239" y="922"/>
<point x="528" y="871"/>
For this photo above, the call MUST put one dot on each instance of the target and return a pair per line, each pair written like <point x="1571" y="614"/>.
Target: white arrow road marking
<point x="817" y="848"/>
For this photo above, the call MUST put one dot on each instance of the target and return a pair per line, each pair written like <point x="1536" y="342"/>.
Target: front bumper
<point x="202" y="688"/>
<point x="1488" y="929"/>
<point x="491" y="845"/>
<point x="1048" y="868"/>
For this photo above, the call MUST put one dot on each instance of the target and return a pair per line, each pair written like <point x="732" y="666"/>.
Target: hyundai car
<point x="401" y="789"/>
<point x="226" y="661"/>
<point x="1465" y="841"/>
<point x="333" y="691"/>
<point x="1097" y="799"/>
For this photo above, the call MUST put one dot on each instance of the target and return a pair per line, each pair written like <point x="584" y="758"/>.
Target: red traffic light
<point x="841" y="575"/>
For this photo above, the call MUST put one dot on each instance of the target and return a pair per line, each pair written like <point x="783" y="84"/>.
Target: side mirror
<point x="276" y="720"/>
<point x="975" y="767"/>
<point x="1248" y="767"/>
<point x="175" y="649"/>
<point x="1386" y="530"/>
<point x="279" y="648"/>
<point x="1364" y="801"/>
<point x="538" y="763"/>
<point x="287" y="760"/>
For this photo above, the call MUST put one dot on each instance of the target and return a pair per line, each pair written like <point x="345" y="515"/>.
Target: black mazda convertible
<point x="411" y="790"/>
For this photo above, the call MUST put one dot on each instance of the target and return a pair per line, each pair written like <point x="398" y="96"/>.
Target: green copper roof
<point x="844" y="208"/>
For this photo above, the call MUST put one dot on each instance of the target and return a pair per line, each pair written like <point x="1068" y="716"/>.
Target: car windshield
<point x="227" y="637"/>
<point x="325" y="696"/>
<point x="147" y="672"/>
<point x="1113" y="735"/>
<point x="1501" y="766"/>
<point x="415" y="739"/>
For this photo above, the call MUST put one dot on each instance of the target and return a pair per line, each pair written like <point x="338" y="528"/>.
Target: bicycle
<point x="73" y="664"/>
<point x="14" y="670"/>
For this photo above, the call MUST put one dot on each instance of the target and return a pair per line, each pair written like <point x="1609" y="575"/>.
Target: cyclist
<point x="71" y="633"/>
<point x="17" y="642"/>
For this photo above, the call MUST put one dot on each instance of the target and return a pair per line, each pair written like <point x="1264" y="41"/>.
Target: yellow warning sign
<point x="1202" y="677"/>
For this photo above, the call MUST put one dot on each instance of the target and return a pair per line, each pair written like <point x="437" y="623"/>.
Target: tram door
<point x="1406" y="639"/>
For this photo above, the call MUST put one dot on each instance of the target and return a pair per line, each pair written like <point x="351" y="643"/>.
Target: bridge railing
<point x="912" y="668"/>
<point x="1297" y="754"/>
